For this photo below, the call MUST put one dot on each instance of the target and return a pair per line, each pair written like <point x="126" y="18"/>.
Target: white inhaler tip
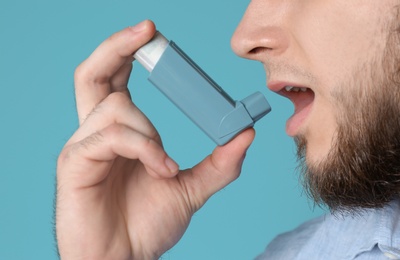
<point x="149" y="54"/>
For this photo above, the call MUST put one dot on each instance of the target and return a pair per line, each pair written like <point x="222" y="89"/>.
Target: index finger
<point x="93" y="76"/>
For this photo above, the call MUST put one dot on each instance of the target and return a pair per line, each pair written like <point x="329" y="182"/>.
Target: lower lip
<point x="294" y="123"/>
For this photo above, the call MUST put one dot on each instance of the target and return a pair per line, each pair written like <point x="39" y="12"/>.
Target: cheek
<point x="336" y="39"/>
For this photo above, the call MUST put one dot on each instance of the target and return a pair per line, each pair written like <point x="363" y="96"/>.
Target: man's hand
<point x="119" y="195"/>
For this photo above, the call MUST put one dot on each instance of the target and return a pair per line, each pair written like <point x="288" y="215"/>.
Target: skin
<point x="315" y="44"/>
<point x="119" y="196"/>
<point x="362" y="169"/>
<point x="345" y="124"/>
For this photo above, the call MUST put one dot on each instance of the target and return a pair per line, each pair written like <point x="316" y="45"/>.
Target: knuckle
<point x="153" y="134"/>
<point x="81" y="72"/>
<point x="86" y="74"/>
<point x="118" y="101"/>
<point x="114" y="129"/>
<point x="72" y="151"/>
<point x="118" y="98"/>
<point x="147" y="143"/>
<point x="63" y="157"/>
<point x="91" y="140"/>
<point x="112" y="37"/>
<point x="150" y="145"/>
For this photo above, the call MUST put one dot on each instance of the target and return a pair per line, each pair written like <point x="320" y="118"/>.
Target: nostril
<point x="255" y="50"/>
<point x="259" y="50"/>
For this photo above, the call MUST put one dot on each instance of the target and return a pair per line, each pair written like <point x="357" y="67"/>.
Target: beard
<point x="362" y="168"/>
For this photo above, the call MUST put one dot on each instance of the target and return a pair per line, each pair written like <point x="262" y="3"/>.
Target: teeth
<point x="295" y="89"/>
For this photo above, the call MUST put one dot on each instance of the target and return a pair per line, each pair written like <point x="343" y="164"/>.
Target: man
<point x="120" y="196"/>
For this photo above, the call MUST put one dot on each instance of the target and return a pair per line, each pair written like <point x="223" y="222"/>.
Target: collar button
<point x="390" y="256"/>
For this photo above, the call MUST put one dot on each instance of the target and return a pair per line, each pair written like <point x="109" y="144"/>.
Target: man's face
<point x="334" y="59"/>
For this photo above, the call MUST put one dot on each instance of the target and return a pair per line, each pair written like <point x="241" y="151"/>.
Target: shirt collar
<point x="388" y="230"/>
<point x="368" y="228"/>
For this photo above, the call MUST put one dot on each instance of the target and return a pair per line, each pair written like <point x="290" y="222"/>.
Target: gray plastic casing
<point x="201" y="99"/>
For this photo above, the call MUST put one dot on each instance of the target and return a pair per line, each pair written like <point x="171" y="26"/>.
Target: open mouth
<point x="302" y="99"/>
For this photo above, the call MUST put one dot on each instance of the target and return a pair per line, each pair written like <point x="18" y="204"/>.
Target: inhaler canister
<point x="196" y="94"/>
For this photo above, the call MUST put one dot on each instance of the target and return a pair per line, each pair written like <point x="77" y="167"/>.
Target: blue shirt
<point x="373" y="234"/>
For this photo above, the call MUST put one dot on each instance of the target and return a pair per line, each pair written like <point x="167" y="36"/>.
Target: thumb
<point x="218" y="169"/>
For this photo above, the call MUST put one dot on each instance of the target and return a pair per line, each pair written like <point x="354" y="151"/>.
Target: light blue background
<point x="41" y="43"/>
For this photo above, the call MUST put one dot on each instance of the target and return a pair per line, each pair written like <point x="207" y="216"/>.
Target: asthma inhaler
<point x="196" y="94"/>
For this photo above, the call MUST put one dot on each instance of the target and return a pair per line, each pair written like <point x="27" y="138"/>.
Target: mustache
<point x="287" y="70"/>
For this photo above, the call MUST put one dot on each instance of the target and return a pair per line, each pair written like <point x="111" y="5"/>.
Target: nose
<point x="262" y="32"/>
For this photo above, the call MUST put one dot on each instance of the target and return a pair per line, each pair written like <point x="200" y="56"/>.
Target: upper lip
<point x="279" y="86"/>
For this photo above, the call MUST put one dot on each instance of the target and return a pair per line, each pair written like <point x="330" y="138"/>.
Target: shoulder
<point x="287" y="245"/>
<point x="365" y="234"/>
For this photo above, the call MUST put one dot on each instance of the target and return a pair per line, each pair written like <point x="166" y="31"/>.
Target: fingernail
<point x="172" y="166"/>
<point x="139" y="27"/>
